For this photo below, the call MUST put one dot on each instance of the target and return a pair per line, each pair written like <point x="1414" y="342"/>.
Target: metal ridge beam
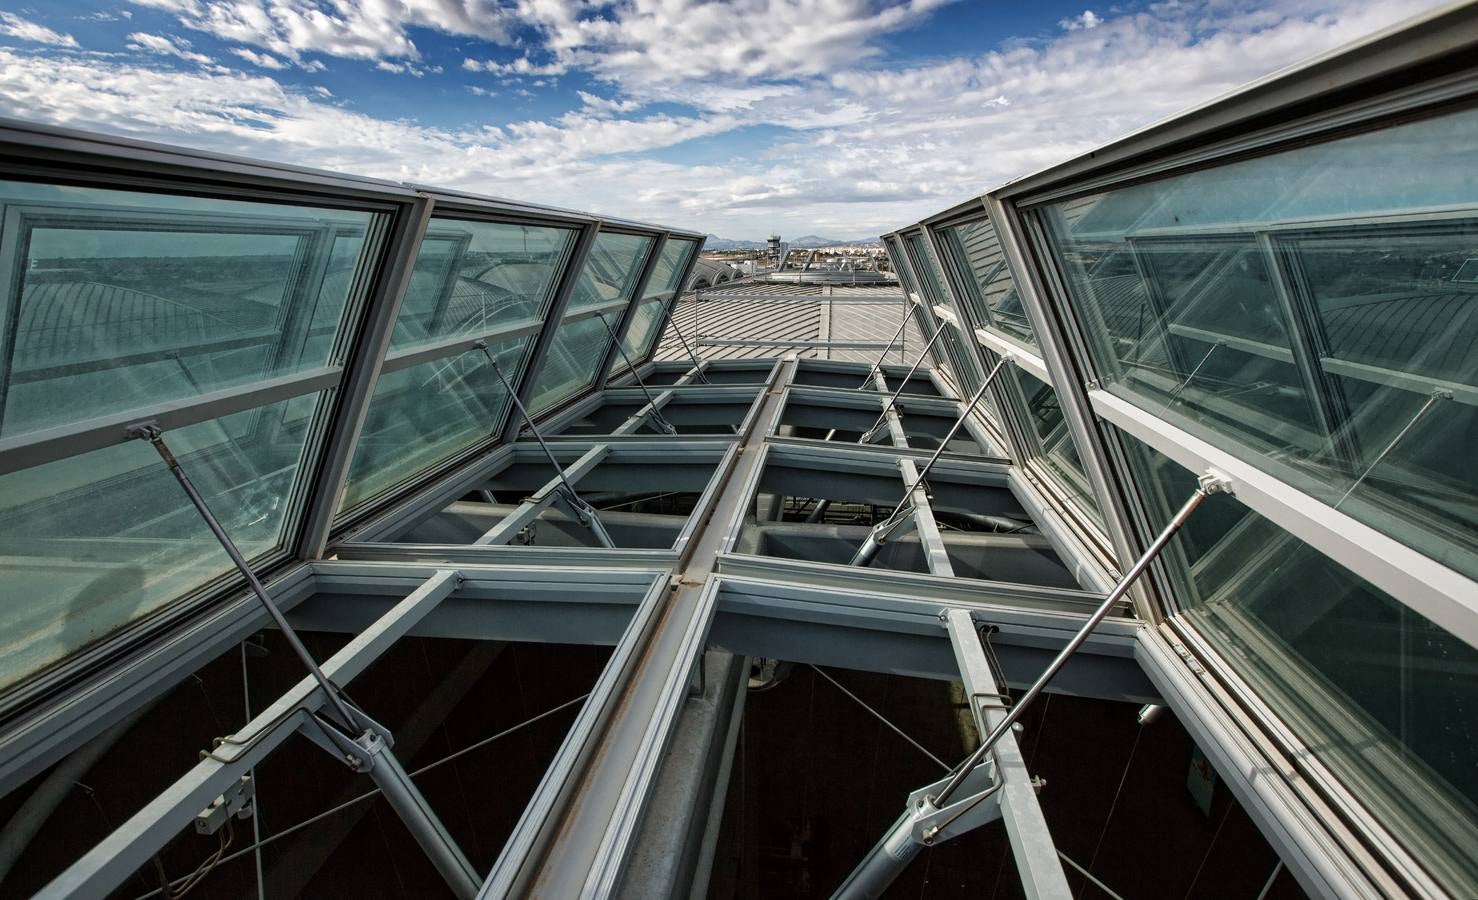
<point x="580" y="847"/>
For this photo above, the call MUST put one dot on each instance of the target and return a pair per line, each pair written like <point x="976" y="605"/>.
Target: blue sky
<point x="838" y="117"/>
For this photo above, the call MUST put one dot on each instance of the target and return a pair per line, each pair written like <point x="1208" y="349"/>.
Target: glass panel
<point x="611" y="271"/>
<point x="643" y="331"/>
<point x="929" y="271"/>
<point x="669" y="267"/>
<point x="1314" y="311"/>
<point x="965" y="360"/>
<point x="426" y="414"/>
<point x="989" y="289"/>
<point x="471" y="277"/>
<point x="578" y="350"/>
<point x="94" y="542"/>
<point x="117" y="300"/>
<point x="953" y="345"/>
<point x="1057" y="448"/>
<point x="900" y="265"/>
<point x="1397" y="324"/>
<point x="1377" y="693"/>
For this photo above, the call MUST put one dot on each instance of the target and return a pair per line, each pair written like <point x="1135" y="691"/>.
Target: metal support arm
<point x="1210" y="483"/>
<point x="352" y="737"/>
<point x="883" y="530"/>
<point x="867" y="435"/>
<point x="655" y="416"/>
<point x="583" y="512"/>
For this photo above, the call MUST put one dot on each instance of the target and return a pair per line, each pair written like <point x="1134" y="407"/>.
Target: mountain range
<point x="805" y="242"/>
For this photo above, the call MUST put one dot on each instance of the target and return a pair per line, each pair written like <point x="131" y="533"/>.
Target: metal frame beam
<point x="129" y="846"/>
<point x="1442" y="595"/>
<point x="366" y="362"/>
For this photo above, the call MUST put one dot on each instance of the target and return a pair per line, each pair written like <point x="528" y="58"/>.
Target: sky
<point x="843" y="118"/>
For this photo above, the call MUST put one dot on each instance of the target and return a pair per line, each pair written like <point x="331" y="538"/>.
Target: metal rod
<point x="374" y="792"/>
<point x="1210" y="483"/>
<point x="697" y="363"/>
<point x="867" y="435"/>
<point x="656" y="414"/>
<point x="1089" y="875"/>
<point x="1436" y="395"/>
<point x="882" y="718"/>
<point x="877" y="366"/>
<point x="425" y="828"/>
<point x="880" y="533"/>
<point x="1182" y="386"/>
<point x="155" y="436"/>
<point x="583" y="512"/>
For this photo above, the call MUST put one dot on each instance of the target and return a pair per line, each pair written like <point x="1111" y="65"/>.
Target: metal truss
<point x="662" y="610"/>
<point x="705" y="598"/>
<point x="1421" y="68"/>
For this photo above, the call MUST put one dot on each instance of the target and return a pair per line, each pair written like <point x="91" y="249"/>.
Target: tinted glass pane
<point x="577" y="352"/>
<point x="1044" y="412"/>
<point x="986" y="278"/>
<point x="117" y="300"/>
<point x="428" y="413"/>
<point x="611" y="271"/>
<point x="900" y="265"/>
<point x="1397" y="344"/>
<point x="1375" y="691"/>
<point x="928" y="269"/>
<point x="471" y="277"/>
<point x="1314" y="311"/>
<point x="96" y="541"/>
<point x="669" y="267"/>
<point x="643" y="331"/>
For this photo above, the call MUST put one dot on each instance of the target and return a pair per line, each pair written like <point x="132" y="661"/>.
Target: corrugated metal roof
<point x="790" y="312"/>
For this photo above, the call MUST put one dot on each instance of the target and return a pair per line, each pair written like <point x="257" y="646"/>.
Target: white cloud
<point x="26" y="30"/>
<point x="1086" y="20"/>
<point x="603" y="106"/>
<point x="164" y="46"/>
<point x="371" y="29"/>
<point x="870" y="145"/>
<point x="262" y="60"/>
<point x="107" y="16"/>
<point x="521" y="66"/>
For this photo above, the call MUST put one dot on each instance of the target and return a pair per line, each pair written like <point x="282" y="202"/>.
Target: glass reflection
<point x="579" y="347"/>
<point x="471" y="277"/>
<point x="1314" y="311"/>
<point x="986" y="280"/>
<point x="118" y="300"/>
<point x="1057" y="450"/>
<point x="611" y="270"/>
<point x="424" y="415"/>
<point x="97" y="541"/>
<point x="1376" y="692"/>
<point x="578" y="350"/>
